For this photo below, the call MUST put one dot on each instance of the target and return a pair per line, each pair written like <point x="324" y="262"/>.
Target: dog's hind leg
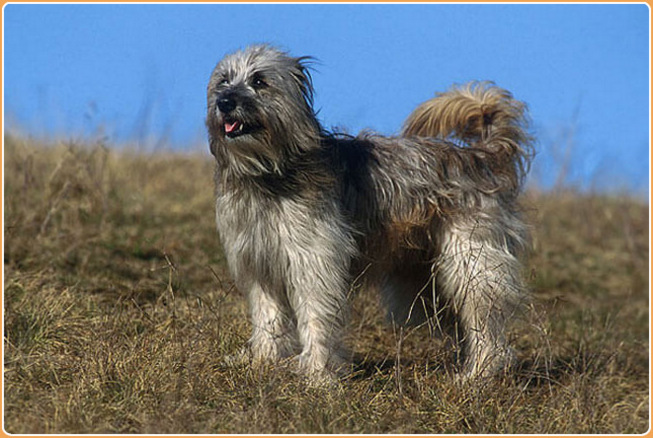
<point x="480" y="276"/>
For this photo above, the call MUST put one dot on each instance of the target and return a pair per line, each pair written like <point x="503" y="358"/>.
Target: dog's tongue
<point x="231" y="127"/>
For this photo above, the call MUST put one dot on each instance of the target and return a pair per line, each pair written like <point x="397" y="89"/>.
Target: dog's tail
<point x="482" y="116"/>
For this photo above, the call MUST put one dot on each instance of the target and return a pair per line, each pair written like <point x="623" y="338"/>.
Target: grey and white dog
<point x="429" y="216"/>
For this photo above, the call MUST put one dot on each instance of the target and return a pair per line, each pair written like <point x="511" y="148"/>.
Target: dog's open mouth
<point x="233" y="128"/>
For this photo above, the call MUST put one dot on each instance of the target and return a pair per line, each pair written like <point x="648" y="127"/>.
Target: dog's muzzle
<point x="233" y="126"/>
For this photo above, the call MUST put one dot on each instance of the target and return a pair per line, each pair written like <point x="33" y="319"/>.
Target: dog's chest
<point x="272" y="239"/>
<point x="245" y="221"/>
<point x="256" y="233"/>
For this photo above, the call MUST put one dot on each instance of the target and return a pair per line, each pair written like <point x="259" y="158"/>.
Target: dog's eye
<point x="223" y="81"/>
<point x="258" y="82"/>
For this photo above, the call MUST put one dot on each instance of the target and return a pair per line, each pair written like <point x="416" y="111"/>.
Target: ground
<point x="118" y="311"/>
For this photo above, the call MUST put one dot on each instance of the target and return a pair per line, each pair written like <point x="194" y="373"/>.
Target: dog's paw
<point x="320" y="371"/>
<point x="241" y="358"/>
<point x="492" y="365"/>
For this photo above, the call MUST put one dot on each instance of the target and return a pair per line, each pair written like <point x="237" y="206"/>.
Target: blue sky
<point x="138" y="73"/>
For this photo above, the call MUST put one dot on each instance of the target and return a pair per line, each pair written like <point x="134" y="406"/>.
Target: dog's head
<point x="260" y="104"/>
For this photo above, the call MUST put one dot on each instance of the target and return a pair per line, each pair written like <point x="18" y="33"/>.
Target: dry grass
<point x="118" y="310"/>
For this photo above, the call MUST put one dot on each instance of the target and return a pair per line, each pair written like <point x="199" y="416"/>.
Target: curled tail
<point x="482" y="116"/>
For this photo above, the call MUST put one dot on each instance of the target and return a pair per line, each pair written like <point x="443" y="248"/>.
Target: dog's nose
<point x="226" y="104"/>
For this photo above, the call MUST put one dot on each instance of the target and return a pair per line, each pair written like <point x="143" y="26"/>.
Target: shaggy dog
<point x="430" y="216"/>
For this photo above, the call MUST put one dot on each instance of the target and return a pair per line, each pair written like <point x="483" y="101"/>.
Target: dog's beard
<point x="249" y="153"/>
<point x="254" y="142"/>
<point x="243" y="141"/>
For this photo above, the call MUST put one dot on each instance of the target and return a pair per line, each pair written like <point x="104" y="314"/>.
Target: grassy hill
<point x="118" y="310"/>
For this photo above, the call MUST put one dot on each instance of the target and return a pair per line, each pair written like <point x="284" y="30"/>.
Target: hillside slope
<point x="118" y="310"/>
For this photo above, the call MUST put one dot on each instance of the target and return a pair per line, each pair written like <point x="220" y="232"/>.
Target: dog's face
<point x="255" y="98"/>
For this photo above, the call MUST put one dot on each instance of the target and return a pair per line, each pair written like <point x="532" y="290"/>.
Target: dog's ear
<point x="302" y="74"/>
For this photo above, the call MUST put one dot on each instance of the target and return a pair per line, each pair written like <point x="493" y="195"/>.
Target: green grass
<point x="118" y="310"/>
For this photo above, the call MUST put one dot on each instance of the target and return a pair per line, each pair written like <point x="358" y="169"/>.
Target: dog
<point x="429" y="218"/>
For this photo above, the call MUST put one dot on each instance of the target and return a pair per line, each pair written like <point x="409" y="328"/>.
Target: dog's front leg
<point x="320" y="304"/>
<point x="273" y="336"/>
<point x="318" y="282"/>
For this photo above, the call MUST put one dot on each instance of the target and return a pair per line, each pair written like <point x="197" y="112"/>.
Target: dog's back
<point x="462" y="146"/>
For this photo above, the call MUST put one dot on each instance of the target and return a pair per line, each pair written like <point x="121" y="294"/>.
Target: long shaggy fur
<point x="429" y="216"/>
